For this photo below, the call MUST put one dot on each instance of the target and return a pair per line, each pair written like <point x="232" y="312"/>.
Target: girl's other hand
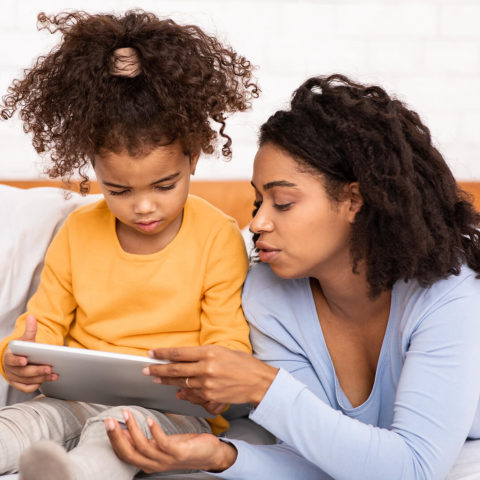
<point x="163" y="452"/>
<point x="213" y="374"/>
<point x="20" y="375"/>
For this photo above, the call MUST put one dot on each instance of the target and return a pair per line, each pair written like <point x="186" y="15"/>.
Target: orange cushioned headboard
<point x="234" y="197"/>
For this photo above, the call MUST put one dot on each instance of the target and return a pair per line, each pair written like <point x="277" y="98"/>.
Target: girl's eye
<point x="114" y="192"/>
<point x="282" y="207"/>
<point x="163" y="188"/>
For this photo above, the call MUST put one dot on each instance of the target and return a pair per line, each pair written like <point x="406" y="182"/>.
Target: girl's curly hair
<point x="415" y="222"/>
<point x="75" y="106"/>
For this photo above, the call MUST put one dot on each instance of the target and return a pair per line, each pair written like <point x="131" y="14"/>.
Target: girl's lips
<point x="148" y="227"/>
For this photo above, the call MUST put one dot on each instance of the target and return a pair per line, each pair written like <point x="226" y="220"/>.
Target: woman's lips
<point x="266" y="252"/>
<point x="148" y="226"/>
<point x="267" y="256"/>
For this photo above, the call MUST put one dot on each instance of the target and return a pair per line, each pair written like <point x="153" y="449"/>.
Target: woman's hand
<point x="211" y="373"/>
<point x="20" y="375"/>
<point x="215" y="408"/>
<point x="163" y="452"/>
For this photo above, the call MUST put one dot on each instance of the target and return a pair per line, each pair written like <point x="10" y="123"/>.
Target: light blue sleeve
<point x="434" y="408"/>
<point x="277" y="462"/>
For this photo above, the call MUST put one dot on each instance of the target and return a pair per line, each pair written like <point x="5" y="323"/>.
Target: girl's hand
<point x="163" y="452"/>
<point x="20" y="375"/>
<point x="211" y="373"/>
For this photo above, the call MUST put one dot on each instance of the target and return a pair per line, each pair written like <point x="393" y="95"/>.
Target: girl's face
<point x="146" y="194"/>
<point x="302" y="232"/>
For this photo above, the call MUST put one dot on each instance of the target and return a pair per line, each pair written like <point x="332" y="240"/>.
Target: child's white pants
<point x="79" y="427"/>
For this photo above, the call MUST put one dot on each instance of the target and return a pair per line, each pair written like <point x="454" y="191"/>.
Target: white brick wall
<point x="426" y="51"/>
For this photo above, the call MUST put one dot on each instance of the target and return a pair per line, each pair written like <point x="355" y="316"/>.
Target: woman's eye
<point x="163" y="188"/>
<point x="283" y="206"/>
<point x="115" y="192"/>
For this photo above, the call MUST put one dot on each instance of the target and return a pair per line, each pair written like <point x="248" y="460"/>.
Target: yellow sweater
<point x="94" y="295"/>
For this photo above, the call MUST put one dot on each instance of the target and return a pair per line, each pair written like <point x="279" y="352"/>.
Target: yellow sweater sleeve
<point x="222" y="319"/>
<point x="53" y="304"/>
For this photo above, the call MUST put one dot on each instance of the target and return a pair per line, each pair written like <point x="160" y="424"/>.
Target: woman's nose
<point x="260" y="222"/>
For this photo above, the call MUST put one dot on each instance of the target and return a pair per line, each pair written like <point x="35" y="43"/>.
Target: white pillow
<point x="247" y="238"/>
<point x="29" y="219"/>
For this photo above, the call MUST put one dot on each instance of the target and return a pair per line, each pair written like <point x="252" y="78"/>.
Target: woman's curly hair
<point x="75" y="106"/>
<point x="415" y="222"/>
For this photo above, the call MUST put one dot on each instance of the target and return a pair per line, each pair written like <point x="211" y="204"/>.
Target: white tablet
<point x="103" y="377"/>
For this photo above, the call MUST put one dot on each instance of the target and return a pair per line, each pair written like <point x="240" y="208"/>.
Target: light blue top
<point x="423" y="405"/>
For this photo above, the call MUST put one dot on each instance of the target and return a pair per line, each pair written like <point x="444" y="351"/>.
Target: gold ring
<point x="187" y="382"/>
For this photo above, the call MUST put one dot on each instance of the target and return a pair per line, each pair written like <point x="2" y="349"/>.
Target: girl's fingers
<point x="28" y="380"/>
<point x="15" y="360"/>
<point x="24" y="387"/>
<point x="31" y="371"/>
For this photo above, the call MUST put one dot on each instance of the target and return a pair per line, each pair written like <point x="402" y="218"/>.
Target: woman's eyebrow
<point x="278" y="183"/>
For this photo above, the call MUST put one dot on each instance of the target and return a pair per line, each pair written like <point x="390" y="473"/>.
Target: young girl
<point x="135" y="97"/>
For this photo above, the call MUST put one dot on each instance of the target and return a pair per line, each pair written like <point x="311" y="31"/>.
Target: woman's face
<point x="302" y="232"/>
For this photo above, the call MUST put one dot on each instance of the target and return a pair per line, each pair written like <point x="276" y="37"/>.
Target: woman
<point x="364" y="309"/>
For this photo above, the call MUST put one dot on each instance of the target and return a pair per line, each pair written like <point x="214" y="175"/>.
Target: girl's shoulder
<point x="203" y="215"/>
<point x="89" y="214"/>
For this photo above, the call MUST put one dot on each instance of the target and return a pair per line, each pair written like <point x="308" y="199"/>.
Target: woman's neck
<point x="346" y="294"/>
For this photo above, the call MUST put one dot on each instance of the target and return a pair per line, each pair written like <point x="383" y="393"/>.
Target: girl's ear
<point x="193" y="162"/>
<point x="354" y="198"/>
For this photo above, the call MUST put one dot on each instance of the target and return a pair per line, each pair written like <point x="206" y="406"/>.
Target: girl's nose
<point x="143" y="205"/>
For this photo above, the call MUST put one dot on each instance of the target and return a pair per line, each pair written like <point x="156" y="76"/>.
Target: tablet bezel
<point x="104" y="377"/>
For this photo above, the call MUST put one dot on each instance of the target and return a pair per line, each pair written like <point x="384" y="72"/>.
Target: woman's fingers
<point x="174" y="370"/>
<point x="126" y="449"/>
<point x="216" y="373"/>
<point x="141" y="443"/>
<point x="180" y="354"/>
<point x="215" y="408"/>
<point x="166" y="452"/>
<point x="158" y="434"/>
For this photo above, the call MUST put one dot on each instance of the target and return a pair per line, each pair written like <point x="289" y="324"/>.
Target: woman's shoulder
<point x="415" y="303"/>
<point x="463" y="284"/>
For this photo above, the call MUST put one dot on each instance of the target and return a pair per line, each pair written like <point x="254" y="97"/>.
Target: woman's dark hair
<point x="76" y="105"/>
<point x="415" y="222"/>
